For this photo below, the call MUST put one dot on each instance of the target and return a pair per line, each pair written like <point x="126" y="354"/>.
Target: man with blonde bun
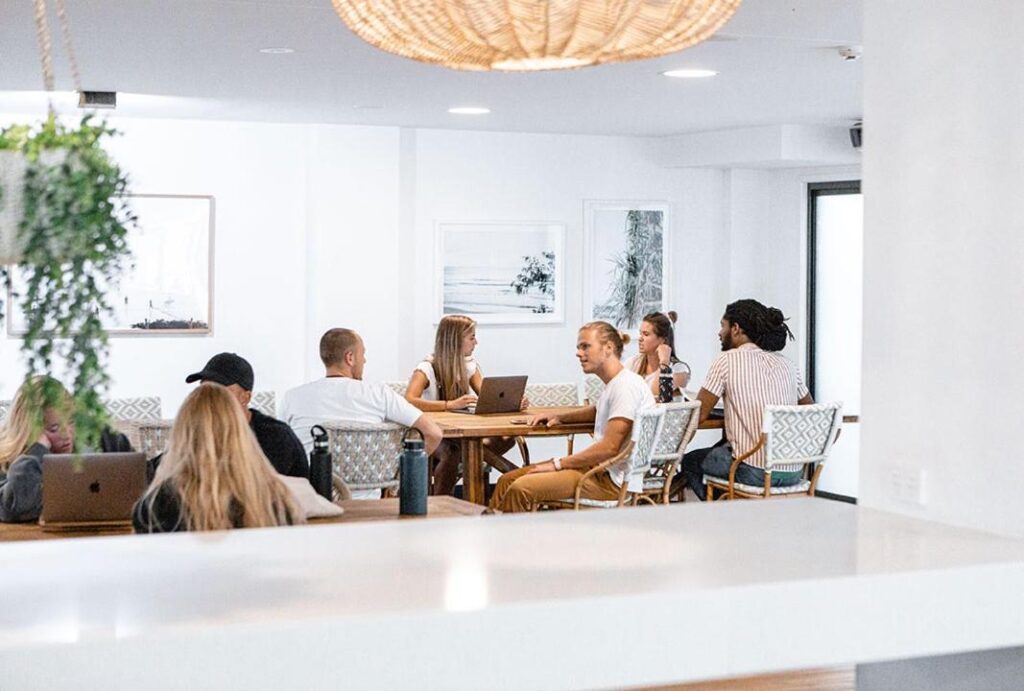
<point x="599" y="349"/>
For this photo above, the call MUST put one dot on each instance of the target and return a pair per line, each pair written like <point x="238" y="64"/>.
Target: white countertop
<point x="556" y="600"/>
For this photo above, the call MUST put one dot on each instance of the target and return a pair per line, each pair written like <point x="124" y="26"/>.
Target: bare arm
<point x="707" y="403"/>
<point x="806" y="400"/>
<point x="431" y="433"/>
<point x="616" y="433"/>
<point x="577" y="416"/>
<point x="414" y="394"/>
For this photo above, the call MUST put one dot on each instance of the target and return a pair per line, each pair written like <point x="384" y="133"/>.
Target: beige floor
<point x="843" y="679"/>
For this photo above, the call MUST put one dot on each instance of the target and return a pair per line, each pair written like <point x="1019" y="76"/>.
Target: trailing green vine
<point x="74" y="230"/>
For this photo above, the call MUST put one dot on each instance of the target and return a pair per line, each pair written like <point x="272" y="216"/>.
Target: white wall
<point x="256" y="173"/>
<point x="943" y="168"/>
<point x="321" y="226"/>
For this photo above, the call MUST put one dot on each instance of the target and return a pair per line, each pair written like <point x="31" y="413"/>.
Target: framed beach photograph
<point x="625" y="259"/>
<point x="500" y="272"/>
<point x="168" y="288"/>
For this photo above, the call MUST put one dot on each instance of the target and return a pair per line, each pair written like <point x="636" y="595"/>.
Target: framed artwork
<point x="501" y="272"/>
<point x="625" y="259"/>
<point x="168" y="288"/>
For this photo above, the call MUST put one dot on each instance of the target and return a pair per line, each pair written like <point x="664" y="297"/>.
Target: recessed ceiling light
<point x="469" y="110"/>
<point x="277" y="51"/>
<point x="690" y="74"/>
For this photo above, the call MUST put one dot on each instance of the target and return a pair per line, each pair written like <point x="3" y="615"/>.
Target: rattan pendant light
<point x="525" y="35"/>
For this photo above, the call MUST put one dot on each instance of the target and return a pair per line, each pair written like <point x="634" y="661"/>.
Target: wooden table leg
<point x="472" y="478"/>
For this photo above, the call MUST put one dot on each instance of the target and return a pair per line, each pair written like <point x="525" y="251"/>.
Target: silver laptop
<point x="91" y="490"/>
<point x="498" y="395"/>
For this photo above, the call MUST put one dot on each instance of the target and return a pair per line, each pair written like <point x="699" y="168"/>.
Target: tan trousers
<point x="520" y="490"/>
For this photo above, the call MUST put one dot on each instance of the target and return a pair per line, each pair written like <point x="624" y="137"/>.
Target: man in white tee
<point x="598" y="348"/>
<point x="343" y="395"/>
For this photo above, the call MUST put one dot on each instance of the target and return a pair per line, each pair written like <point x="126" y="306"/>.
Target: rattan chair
<point x="397" y="386"/>
<point x="677" y="431"/>
<point x="637" y="456"/>
<point x="265" y="402"/>
<point x="365" y="454"/>
<point x="549" y="396"/>
<point x="128" y="414"/>
<point x="793" y="437"/>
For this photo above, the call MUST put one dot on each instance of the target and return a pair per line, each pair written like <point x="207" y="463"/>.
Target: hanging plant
<point x="72" y="234"/>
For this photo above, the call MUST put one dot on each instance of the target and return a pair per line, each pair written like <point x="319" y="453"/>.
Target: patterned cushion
<point x="265" y="402"/>
<point x="592" y="388"/>
<point x="675" y="429"/>
<point x="654" y="482"/>
<point x="365" y="454"/>
<point x="552" y="395"/>
<point x="397" y="386"/>
<point x="144" y="408"/>
<point x="799" y="488"/>
<point x="799" y="433"/>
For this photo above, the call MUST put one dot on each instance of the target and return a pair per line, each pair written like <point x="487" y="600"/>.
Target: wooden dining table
<point x="356" y="511"/>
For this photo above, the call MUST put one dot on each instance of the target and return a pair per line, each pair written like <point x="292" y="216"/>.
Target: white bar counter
<point x="596" y="599"/>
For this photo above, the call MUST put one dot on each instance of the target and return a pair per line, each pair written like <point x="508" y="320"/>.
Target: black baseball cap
<point x="226" y="369"/>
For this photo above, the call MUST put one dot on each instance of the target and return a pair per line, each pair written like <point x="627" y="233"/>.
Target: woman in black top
<point x="214" y="475"/>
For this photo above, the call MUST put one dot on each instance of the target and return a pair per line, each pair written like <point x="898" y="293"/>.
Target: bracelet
<point x="557" y="462"/>
<point x="446" y="405"/>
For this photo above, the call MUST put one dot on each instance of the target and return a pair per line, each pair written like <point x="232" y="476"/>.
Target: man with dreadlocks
<point x="749" y="374"/>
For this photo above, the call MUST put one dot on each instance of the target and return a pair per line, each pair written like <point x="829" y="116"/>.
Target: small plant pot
<point x="12" y="182"/>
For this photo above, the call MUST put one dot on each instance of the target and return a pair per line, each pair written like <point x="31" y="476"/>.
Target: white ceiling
<point x="201" y="57"/>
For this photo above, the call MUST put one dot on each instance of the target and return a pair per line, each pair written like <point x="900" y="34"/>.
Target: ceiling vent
<point x="97" y="99"/>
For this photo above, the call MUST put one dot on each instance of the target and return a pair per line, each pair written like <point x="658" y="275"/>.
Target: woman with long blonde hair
<point x="31" y="430"/>
<point x="449" y="379"/>
<point x="214" y="475"/>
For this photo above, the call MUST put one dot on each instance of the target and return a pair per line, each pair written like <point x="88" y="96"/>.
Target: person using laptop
<point x="450" y="379"/>
<point x="214" y="475"/>
<point x="343" y="395"/>
<point x="29" y="432"/>
<point x="747" y="375"/>
<point x="276" y="439"/>
<point x="599" y="349"/>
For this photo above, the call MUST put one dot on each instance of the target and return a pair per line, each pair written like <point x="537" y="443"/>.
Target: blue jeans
<point x="715" y="460"/>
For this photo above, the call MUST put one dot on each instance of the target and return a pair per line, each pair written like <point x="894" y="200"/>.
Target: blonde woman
<point x="30" y="431"/>
<point x="214" y="475"/>
<point x="449" y="379"/>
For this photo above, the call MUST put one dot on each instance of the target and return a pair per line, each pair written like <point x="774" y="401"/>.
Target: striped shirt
<point x="747" y="379"/>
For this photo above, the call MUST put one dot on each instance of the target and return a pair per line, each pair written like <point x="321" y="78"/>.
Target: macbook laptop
<point x="91" y="490"/>
<point x="498" y="395"/>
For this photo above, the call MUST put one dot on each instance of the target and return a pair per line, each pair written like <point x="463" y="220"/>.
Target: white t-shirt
<point x="625" y="395"/>
<point x="427" y="368"/>
<point x="631" y="363"/>
<point x="343" y="398"/>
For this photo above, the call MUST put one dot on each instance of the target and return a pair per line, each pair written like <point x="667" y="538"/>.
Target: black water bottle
<point x="412" y="476"/>
<point x="320" y="471"/>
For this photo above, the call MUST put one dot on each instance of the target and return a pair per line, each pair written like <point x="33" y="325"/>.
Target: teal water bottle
<point x="412" y="476"/>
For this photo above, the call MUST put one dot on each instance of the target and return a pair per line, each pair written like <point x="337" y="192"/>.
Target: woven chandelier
<point x="527" y="35"/>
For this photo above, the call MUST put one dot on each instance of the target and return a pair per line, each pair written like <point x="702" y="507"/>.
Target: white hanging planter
<point x="12" y="184"/>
